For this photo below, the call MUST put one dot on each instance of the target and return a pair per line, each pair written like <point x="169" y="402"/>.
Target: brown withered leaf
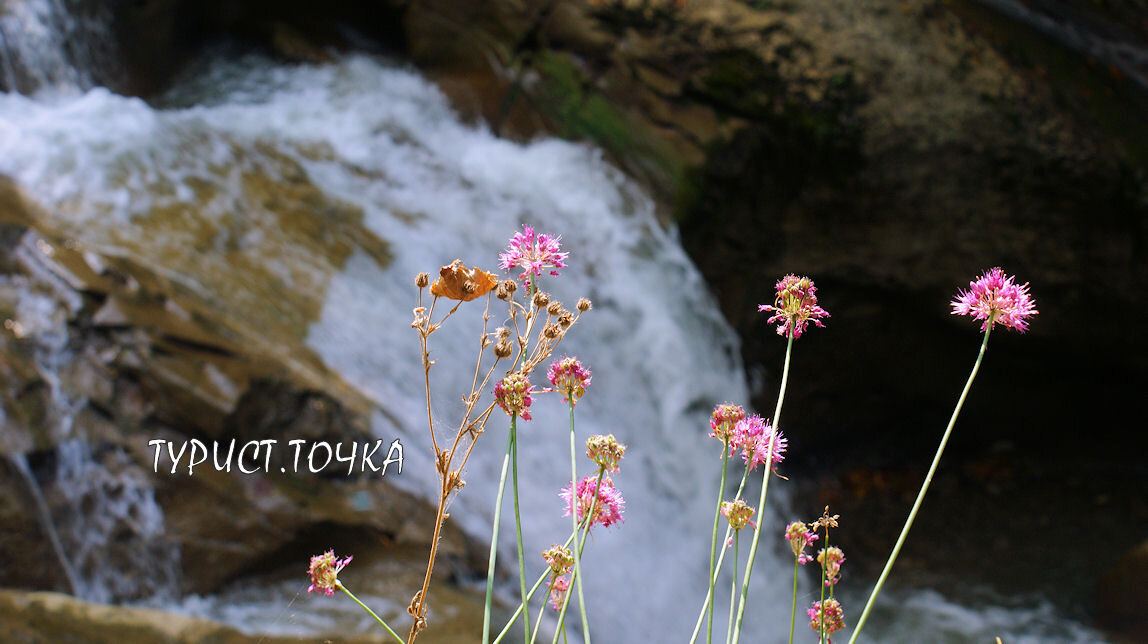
<point x="458" y="282"/>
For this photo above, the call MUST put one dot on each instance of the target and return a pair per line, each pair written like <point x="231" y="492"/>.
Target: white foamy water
<point x="436" y="189"/>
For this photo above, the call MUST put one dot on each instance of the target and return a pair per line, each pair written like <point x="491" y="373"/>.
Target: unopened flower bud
<point x="606" y="451"/>
<point x="559" y="558"/>
<point x="422" y="279"/>
<point x="738" y="513"/>
<point x="583" y="305"/>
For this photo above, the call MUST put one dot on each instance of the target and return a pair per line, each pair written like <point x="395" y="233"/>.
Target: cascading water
<point x="383" y="140"/>
<point x="52" y="45"/>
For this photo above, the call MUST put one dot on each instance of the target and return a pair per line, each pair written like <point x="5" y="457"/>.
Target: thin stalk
<point x="494" y="542"/>
<point x="518" y="527"/>
<point x="793" y="610"/>
<point x="924" y="489"/>
<point x="587" y="521"/>
<point x="574" y="525"/>
<point x="541" y="609"/>
<point x="764" y="489"/>
<point x="366" y="608"/>
<point x="533" y="589"/>
<point x="713" y="542"/>
<point x="824" y="560"/>
<point x="717" y="568"/>
<point x="732" y="589"/>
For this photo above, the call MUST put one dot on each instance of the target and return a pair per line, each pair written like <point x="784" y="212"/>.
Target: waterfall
<point x="53" y="45"/>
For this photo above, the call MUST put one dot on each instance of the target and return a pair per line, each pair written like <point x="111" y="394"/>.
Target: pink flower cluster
<point x="606" y="508"/>
<point x="558" y="592"/>
<point x="753" y="435"/>
<point x="324" y="571"/>
<point x="532" y="253"/>
<point x="738" y="513"/>
<point x="795" y="306"/>
<point x="513" y="394"/>
<point x="995" y="297"/>
<point x="559" y="558"/>
<point x="831" y="559"/>
<point x="569" y="378"/>
<point x="725" y="416"/>
<point x="605" y="451"/>
<point x="799" y="537"/>
<point x="834" y="616"/>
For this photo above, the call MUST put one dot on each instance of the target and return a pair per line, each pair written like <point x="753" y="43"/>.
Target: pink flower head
<point x="569" y="378"/>
<point x="558" y="592"/>
<point x="724" y="418"/>
<point x="756" y="438"/>
<point x="795" y="306"/>
<point x="533" y="253"/>
<point x="738" y="513"/>
<point x="605" y="451"/>
<point x="513" y="394"/>
<point x="831" y="559"/>
<point x="607" y="508"/>
<point x="994" y="297"/>
<point x="324" y="571"/>
<point x="834" y="617"/>
<point x="799" y="537"/>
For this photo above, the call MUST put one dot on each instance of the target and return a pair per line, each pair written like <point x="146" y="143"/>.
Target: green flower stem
<point x="586" y="522"/>
<point x="793" y="610"/>
<point x="713" y="542"/>
<point x="542" y="609"/>
<point x="824" y="561"/>
<point x="764" y="489"/>
<point x="372" y="613"/>
<point x="924" y="488"/>
<point x="574" y="526"/>
<point x="518" y="527"/>
<point x="717" y="568"/>
<point x="494" y="541"/>
<point x="533" y="590"/>
<point x="732" y="589"/>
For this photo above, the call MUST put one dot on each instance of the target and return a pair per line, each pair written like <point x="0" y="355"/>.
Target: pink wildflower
<point x="738" y="513"/>
<point x="799" y="537"/>
<point x="608" y="508"/>
<point x="559" y="558"/>
<point x="569" y="378"/>
<point x="558" y="592"/>
<point x="324" y="571"/>
<point x="723" y="419"/>
<point x="831" y="559"/>
<point x="605" y="451"/>
<point x="533" y="253"/>
<point x="834" y="616"/>
<point x="994" y="297"/>
<point x="513" y="394"/>
<point x="795" y="306"/>
<point x="753" y="436"/>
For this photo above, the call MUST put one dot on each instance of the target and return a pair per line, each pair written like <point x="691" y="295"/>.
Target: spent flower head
<point x="757" y="440"/>
<point x="513" y="394"/>
<point x="569" y="378"/>
<point x="795" y="306"/>
<point x="738" y="513"/>
<point x="559" y="558"/>
<point x="799" y="537"/>
<point x="324" y="571"/>
<point x="607" y="507"/>
<point x="606" y="451"/>
<point x="532" y="253"/>
<point x="995" y="297"/>
<point x="834" y="617"/>
<point x="831" y="559"/>
<point x="725" y="416"/>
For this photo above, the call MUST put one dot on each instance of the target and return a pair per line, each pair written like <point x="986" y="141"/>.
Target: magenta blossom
<point x="608" y="508"/>
<point x="558" y="592"/>
<point x="723" y="420"/>
<point x="533" y="253"/>
<point x="834" y="617"/>
<point x="795" y="306"/>
<point x="513" y="394"/>
<point x="994" y="297"/>
<point x="799" y="537"/>
<point x="831" y="559"/>
<point x="753" y="435"/>
<point x="324" y="571"/>
<point x="569" y="378"/>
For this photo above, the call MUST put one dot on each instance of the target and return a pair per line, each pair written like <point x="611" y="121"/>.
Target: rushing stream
<point x="382" y="139"/>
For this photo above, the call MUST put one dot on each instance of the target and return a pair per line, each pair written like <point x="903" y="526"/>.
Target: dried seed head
<point x="565" y="319"/>
<point x="502" y="292"/>
<point x="511" y="286"/>
<point x="422" y="279"/>
<point x="502" y="333"/>
<point x="554" y="308"/>
<point x="502" y="349"/>
<point x="551" y="331"/>
<point x="583" y="305"/>
<point x="541" y="299"/>
<point x="469" y="287"/>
